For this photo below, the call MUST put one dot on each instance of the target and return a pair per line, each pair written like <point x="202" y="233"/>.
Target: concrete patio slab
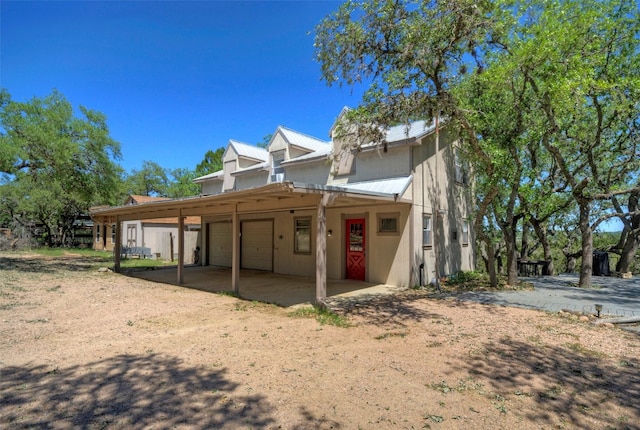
<point x="283" y="290"/>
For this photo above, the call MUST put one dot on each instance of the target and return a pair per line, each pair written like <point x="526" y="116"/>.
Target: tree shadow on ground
<point x="127" y="391"/>
<point x="570" y="384"/>
<point x="44" y="265"/>
<point x="398" y="309"/>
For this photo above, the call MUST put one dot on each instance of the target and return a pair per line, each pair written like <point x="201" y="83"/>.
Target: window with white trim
<point x="302" y="235"/>
<point x="427" y="233"/>
<point x="113" y="233"/>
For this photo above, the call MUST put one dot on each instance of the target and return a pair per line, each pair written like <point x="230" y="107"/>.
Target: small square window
<point x="388" y="223"/>
<point x="302" y="236"/>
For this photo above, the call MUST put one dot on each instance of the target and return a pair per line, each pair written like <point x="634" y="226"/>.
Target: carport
<point x="266" y="287"/>
<point x="283" y="196"/>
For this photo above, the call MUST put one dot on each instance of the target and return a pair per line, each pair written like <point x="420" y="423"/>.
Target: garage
<point x="256" y="249"/>
<point x="220" y="244"/>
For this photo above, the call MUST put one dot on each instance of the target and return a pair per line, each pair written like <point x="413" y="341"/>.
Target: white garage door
<point x="220" y="244"/>
<point x="257" y="245"/>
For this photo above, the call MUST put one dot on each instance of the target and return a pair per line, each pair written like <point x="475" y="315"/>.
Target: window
<point x="427" y="237"/>
<point x="113" y="233"/>
<point x="465" y="232"/>
<point x="132" y="235"/>
<point x="388" y="223"/>
<point x="302" y="235"/>
<point x="98" y="228"/>
<point x="277" y="171"/>
<point x="460" y="170"/>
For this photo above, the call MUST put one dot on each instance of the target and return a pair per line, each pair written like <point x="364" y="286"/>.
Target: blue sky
<point x="174" y="79"/>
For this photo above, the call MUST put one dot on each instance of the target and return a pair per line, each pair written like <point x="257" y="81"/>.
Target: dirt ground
<point x="81" y="348"/>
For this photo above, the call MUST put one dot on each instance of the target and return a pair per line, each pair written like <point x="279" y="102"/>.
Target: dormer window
<point x="277" y="171"/>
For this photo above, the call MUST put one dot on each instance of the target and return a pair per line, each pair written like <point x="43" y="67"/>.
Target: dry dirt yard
<point x="84" y="349"/>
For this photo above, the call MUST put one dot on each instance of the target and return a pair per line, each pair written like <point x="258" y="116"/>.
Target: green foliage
<point x="150" y="180"/>
<point x="212" y="162"/>
<point x="182" y="184"/>
<point x="55" y="164"/>
<point x="264" y="143"/>
<point x="545" y="94"/>
<point x="463" y="277"/>
<point x="323" y="315"/>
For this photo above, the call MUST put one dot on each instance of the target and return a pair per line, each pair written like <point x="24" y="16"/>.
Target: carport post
<point x="321" y="251"/>
<point x="180" y="249"/>
<point x="117" y="246"/>
<point x="235" y="257"/>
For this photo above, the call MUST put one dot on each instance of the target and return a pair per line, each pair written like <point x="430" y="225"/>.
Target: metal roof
<point x="390" y="186"/>
<point x="249" y="151"/>
<point x="302" y="140"/>
<point x="254" y="168"/>
<point x="219" y="174"/>
<point x="275" y="195"/>
<point x="410" y="131"/>
<point x="321" y="154"/>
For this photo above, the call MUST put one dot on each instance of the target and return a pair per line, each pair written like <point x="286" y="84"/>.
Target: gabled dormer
<point x="287" y="145"/>
<point x="240" y="156"/>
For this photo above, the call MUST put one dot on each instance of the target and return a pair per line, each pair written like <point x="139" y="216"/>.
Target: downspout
<point x="436" y="236"/>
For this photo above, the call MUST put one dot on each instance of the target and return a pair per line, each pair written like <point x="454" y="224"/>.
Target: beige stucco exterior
<point x="393" y="191"/>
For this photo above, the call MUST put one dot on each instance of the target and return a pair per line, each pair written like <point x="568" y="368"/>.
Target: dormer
<point x="239" y="156"/>
<point x="287" y="145"/>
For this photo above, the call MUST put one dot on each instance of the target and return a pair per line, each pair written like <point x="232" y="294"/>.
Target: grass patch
<point x="228" y="294"/>
<point x="323" y="315"/>
<point x="391" y="334"/>
<point x="579" y="348"/>
<point x="477" y="281"/>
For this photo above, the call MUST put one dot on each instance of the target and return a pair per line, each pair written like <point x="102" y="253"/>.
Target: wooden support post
<point x="321" y="249"/>
<point x="235" y="258"/>
<point x="117" y="250"/>
<point x="180" y="249"/>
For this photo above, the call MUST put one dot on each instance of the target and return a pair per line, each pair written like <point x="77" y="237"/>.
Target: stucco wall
<point x="310" y="173"/>
<point x="253" y="180"/>
<point x="212" y="187"/>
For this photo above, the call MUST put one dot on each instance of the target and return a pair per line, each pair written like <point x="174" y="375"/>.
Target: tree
<point x="581" y="59"/>
<point x="409" y="54"/>
<point x="150" y="180"/>
<point x="569" y="71"/>
<point x="55" y="164"/>
<point x="182" y="184"/>
<point x="264" y="143"/>
<point x="212" y="162"/>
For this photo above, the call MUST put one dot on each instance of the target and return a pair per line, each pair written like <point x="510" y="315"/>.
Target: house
<point x="158" y="236"/>
<point x="308" y="207"/>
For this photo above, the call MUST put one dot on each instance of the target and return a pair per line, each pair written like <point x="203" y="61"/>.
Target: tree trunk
<point x="628" y="253"/>
<point x="493" y="276"/>
<point x="543" y="237"/>
<point x="488" y="257"/>
<point x="512" y="255"/>
<point x="632" y="239"/>
<point x="586" y="268"/>
<point x="524" y="248"/>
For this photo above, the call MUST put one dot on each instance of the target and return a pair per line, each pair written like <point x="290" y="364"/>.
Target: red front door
<point x="355" y="249"/>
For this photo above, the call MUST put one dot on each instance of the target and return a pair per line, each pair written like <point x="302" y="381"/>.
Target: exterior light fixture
<point x="330" y="233"/>
<point x="598" y="310"/>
